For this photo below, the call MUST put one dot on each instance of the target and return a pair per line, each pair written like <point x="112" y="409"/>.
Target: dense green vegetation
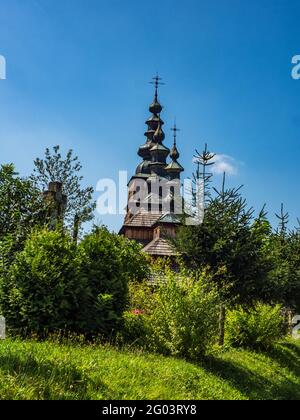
<point x="250" y="262"/>
<point x="48" y="370"/>
<point x="53" y="284"/>
<point x="222" y="312"/>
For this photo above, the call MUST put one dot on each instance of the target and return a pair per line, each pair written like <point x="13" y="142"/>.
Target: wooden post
<point x="56" y="202"/>
<point x="76" y="228"/>
<point x="222" y="319"/>
<point x="2" y="328"/>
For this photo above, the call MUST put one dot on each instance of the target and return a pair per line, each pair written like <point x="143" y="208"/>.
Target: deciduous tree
<point x="66" y="169"/>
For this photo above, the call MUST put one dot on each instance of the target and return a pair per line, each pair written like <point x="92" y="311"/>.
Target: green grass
<point x="48" y="370"/>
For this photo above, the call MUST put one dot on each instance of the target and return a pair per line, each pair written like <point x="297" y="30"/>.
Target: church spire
<point x="154" y="133"/>
<point x="174" y="155"/>
<point x="174" y="168"/>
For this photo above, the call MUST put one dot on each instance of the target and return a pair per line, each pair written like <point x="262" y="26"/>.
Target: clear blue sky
<point x="78" y="72"/>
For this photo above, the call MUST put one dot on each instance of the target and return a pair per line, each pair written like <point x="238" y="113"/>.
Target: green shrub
<point x="41" y="290"/>
<point x="184" y="320"/>
<point x="257" y="328"/>
<point x="179" y="317"/>
<point x="52" y="284"/>
<point x="108" y="261"/>
<point x="135" y="329"/>
<point x="141" y="296"/>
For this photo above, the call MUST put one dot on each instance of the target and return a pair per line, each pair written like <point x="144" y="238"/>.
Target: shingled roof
<point x="149" y="219"/>
<point x="160" y="247"/>
<point x="144" y="219"/>
<point x="170" y="218"/>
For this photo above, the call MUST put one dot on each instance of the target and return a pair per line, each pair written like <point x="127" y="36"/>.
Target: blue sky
<point x="78" y="72"/>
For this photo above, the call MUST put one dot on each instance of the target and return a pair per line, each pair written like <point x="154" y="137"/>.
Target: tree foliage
<point x="233" y="244"/>
<point x="56" y="168"/>
<point x="21" y="204"/>
<point x="285" y="275"/>
<point x="108" y="262"/>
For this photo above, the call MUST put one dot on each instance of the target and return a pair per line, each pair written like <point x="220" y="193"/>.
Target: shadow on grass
<point x="254" y="385"/>
<point x="287" y="354"/>
<point x="50" y="380"/>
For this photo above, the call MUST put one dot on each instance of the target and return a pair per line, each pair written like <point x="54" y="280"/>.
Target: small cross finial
<point x="175" y="130"/>
<point x="156" y="81"/>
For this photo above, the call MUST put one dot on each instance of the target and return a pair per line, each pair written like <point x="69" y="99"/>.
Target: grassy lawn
<point x="47" y="370"/>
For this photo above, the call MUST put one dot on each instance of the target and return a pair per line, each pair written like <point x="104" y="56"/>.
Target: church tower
<point x="154" y="192"/>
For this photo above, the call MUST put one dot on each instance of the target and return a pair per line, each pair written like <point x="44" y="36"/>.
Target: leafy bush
<point x="135" y="329"/>
<point x="52" y="284"/>
<point x="141" y="296"/>
<point x="136" y="319"/>
<point x="41" y="290"/>
<point x="185" y="317"/>
<point x="178" y="318"/>
<point x="108" y="261"/>
<point x="257" y="328"/>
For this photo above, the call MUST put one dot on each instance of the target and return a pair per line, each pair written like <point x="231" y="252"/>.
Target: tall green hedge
<point x="108" y="262"/>
<point x="53" y="284"/>
<point x="42" y="288"/>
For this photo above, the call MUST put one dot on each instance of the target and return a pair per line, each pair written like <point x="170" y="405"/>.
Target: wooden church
<point x="154" y="193"/>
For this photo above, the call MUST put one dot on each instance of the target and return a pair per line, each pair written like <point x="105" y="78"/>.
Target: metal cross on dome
<point x="156" y="81"/>
<point x="175" y="130"/>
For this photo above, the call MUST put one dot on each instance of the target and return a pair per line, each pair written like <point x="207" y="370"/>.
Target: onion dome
<point x="174" y="154"/>
<point x="153" y="122"/>
<point x="159" y="149"/>
<point x="174" y="168"/>
<point x="159" y="135"/>
<point x="144" y="150"/>
<point x="155" y="107"/>
<point x="143" y="168"/>
<point x="150" y="134"/>
<point x="159" y="153"/>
